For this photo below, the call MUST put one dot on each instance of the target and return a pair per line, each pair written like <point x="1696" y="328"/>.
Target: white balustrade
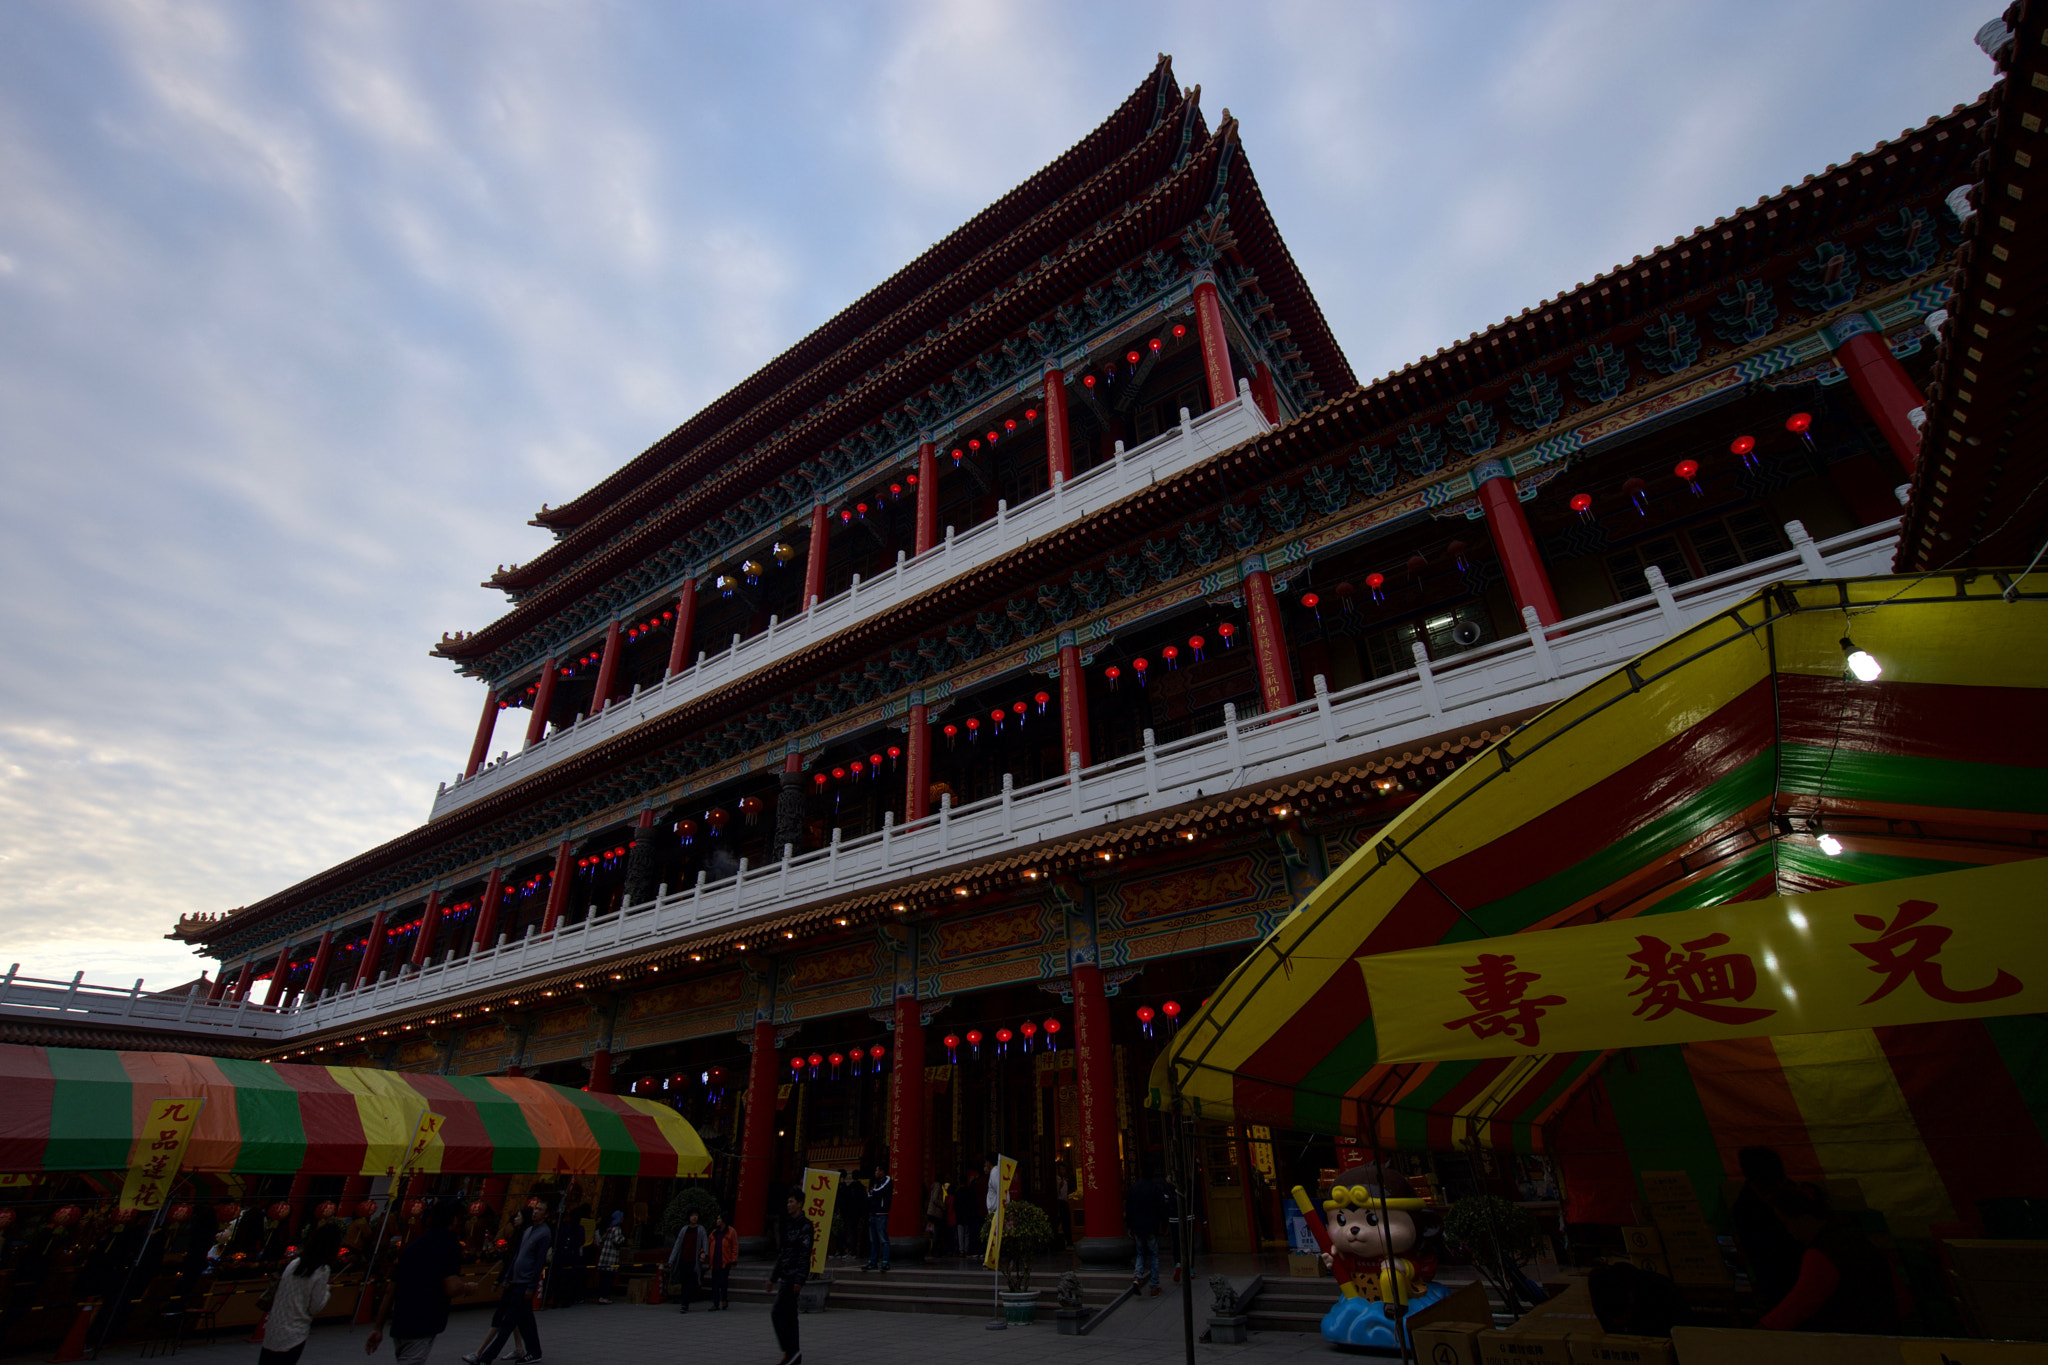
<point x="1072" y="500"/>
<point x="1462" y="692"/>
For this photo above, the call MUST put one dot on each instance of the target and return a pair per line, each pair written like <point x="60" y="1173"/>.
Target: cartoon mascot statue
<point x="1380" y="1241"/>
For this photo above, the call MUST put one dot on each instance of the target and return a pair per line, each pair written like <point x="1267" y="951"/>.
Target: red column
<point x="1269" y="637"/>
<point x="373" y="952"/>
<point x="1527" y="578"/>
<point x="219" y="987"/>
<point x="1263" y="392"/>
<point x="543" y="701"/>
<point x="487" y="912"/>
<point x="1073" y="705"/>
<point x="1215" y="347"/>
<point x="906" y="1121"/>
<point x="607" y="670"/>
<point x="430" y="924"/>
<point x="302" y="1185"/>
<point x="245" y="981"/>
<point x="686" y="627"/>
<point x="480" y="749"/>
<point x="1059" y="451"/>
<point x="558" y="887"/>
<point x="277" y="975"/>
<point x="814" y="559"/>
<point x="1886" y="391"/>
<point x="1102" y="1183"/>
<point x="757" y="1143"/>
<point x="600" y="1072"/>
<point x="927" y="496"/>
<point x="322" y="959"/>
<point x="917" y="746"/>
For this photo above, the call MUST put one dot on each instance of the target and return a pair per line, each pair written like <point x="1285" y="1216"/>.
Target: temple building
<point x="880" y="764"/>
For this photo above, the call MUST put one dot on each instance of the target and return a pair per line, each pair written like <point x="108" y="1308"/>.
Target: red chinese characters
<point x="1499" y="995"/>
<point x="1908" y="946"/>
<point x="1688" y="978"/>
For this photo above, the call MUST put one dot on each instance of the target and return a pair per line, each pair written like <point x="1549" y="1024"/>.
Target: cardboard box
<point x="1754" y="1346"/>
<point x="1467" y="1303"/>
<point x="1525" y="1344"/>
<point x="1307" y="1266"/>
<point x="1449" y="1343"/>
<point x="1698" y="1269"/>
<point x="1676" y="1213"/>
<point x="2002" y="1285"/>
<point x="1618" y="1348"/>
<point x="1669" y="1187"/>
<point x="1641" y="1240"/>
<point x="1697" y="1241"/>
<point x="1655" y="1264"/>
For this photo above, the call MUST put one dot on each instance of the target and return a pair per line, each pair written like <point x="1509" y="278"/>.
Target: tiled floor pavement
<point x="1143" y="1331"/>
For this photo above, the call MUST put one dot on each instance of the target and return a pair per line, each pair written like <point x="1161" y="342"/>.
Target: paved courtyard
<point x="1141" y="1332"/>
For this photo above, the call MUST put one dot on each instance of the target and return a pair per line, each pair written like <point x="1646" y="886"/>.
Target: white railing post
<point x="1323" y="712"/>
<point x="782" y="873"/>
<point x="949" y="546"/>
<point x="1059" y="489"/>
<point x="1539" y="638"/>
<point x="945" y="822"/>
<point x="853" y="590"/>
<point x="1151" y="763"/>
<point x="193" y="997"/>
<point x="1003" y="511"/>
<point x="134" y="994"/>
<point x="832" y="859"/>
<point x="1117" y="461"/>
<point x="1187" y="427"/>
<point x="739" y="882"/>
<point x="1674" y="619"/>
<point x="1423" y="675"/>
<point x="888" y="828"/>
<point x="1074" y="782"/>
<point x="1809" y="553"/>
<point x="1008" y="793"/>
<point x="1232" y="739"/>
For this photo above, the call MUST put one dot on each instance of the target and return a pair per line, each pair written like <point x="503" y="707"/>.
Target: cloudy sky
<point x="306" y="307"/>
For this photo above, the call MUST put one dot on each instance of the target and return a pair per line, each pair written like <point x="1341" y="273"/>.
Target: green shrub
<point x="684" y="1202"/>
<point x="1026" y="1232"/>
<point x="1500" y="1236"/>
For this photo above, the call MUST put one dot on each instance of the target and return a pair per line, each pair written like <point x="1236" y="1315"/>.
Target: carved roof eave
<point x="819" y="354"/>
<point x="1148" y="223"/>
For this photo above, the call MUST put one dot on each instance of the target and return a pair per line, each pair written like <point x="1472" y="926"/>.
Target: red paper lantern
<point x="124" y="1215"/>
<point x="178" y="1213"/>
<point x="837" y="1058"/>
<point x="415" y="1208"/>
<point x="951" y="1040"/>
<point x="877" y="1052"/>
<point x="1582" y="502"/>
<point x="325" y="1209"/>
<point x="1171" y="1009"/>
<point x="817" y="1059"/>
<point x="1145" y="1014"/>
<point x="6" y="1218"/>
<point x="67" y="1215"/>
<point x="280" y="1211"/>
<point x="1742" y="445"/>
<point x="1311" y="600"/>
<point x="478" y="1208"/>
<point x="1228" y="632"/>
<point x="227" y="1211"/>
<point x="1052" y="1026"/>
<point x="366" y="1209"/>
<point x="1686" y="469"/>
<point x="796" y="1064"/>
<point x="1799" y="423"/>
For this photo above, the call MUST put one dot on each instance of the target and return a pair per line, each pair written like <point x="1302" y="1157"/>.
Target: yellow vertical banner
<point x="423" y="1133"/>
<point x="158" y="1152"/>
<point x="1005" y="1173"/>
<point x="821" y="1196"/>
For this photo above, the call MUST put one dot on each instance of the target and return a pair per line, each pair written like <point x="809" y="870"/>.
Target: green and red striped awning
<point x="78" y="1109"/>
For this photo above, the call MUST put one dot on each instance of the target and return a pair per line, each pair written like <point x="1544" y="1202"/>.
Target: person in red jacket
<point x="1845" y="1284"/>
<point x="725" y="1249"/>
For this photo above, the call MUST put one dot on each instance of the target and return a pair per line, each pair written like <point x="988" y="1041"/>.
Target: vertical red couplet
<point x="1073" y="708"/>
<point x="1059" y="448"/>
<point x="323" y="957"/>
<point x="906" y="1120"/>
<point x="373" y="951"/>
<point x="1886" y="391"/>
<point x="1527" y="578"/>
<point x="1215" y="346"/>
<point x="558" y="887"/>
<point x="1269" y="642"/>
<point x="686" y="628"/>
<point x="757" y="1142"/>
<point x="487" y="912"/>
<point x="480" y="748"/>
<point x="430" y="925"/>
<point x="814" y="558"/>
<point x="927" y="497"/>
<point x="917" y="765"/>
<point x="607" y="670"/>
<point x="543" y="700"/>
<point x="1102" y="1185"/>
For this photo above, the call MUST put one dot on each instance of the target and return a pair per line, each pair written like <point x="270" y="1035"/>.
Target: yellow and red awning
<point x="1691" y="777"/>
<point x="77" y="1109"/>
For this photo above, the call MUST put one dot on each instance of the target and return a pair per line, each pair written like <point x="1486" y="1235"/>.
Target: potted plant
<point x="1500" y="1237"/>
<point x="1026" y="1233"/>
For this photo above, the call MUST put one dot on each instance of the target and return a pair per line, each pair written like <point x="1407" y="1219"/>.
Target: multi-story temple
<point x="879" y="764"/>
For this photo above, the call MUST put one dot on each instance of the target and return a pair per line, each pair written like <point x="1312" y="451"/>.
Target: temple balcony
<point x="1506" y="679"/>
<point x="1084" y="496"/>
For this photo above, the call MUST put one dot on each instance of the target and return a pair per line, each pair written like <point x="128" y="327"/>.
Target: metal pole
<point x="1398" y="1310"/>
<point x="1185" y="1239"/>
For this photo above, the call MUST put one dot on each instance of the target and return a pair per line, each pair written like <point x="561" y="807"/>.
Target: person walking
<point x="881" y="1194"/>
<point x="850" y="1220"/>
<point x="515" y="1299"/>
<point x="300" y="1294"/>
<point x="725" y="1249"/>
<point x="611" y="1245"/>
<point x="686" y="1259"/>
<point x="792" y="1268"/>
<point x="1145" y="1214"/>
<point x="424" y="1283"/>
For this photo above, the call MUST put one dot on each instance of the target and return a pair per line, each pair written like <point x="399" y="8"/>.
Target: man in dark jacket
<point x="686" y="1258"/>
<point x="428" y="1276"/>
<point x="522" y="1278"/>
<point x="792" y="1268"/>
<point x="881" y="1193"/>
<point x="1145" y="1214"/>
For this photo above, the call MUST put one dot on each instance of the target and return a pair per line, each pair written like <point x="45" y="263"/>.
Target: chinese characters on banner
<point x="1955" y="945"/>
<point x="1005" y="1172"/>
<point x="821" y="1196"/>
<point x="158" y="1151"/>
<point x="423" y="1135"/>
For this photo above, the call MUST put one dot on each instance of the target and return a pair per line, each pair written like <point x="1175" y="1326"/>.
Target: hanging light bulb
<point x="1862" y="663"/>
<point x="1830" y="845"/>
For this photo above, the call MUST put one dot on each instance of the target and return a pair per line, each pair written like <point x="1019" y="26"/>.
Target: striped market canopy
<point x="1685" y="779"/>
<point x="77" y="1109"/>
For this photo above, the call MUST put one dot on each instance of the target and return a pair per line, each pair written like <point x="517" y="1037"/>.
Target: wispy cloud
<point x="305" y="309"/>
